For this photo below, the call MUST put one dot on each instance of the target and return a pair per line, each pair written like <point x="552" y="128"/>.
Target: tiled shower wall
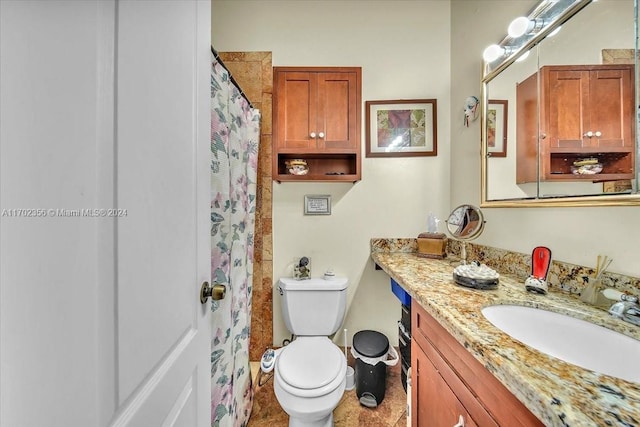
<point x="254" y="73"/>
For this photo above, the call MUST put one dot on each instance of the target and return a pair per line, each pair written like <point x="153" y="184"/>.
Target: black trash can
<point x="371" y="350"/>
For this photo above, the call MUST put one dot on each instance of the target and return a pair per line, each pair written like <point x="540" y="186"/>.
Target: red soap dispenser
<point x="540" y="263"/>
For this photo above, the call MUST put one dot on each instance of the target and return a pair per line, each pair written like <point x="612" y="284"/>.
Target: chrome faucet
<point x="626" y="309"/>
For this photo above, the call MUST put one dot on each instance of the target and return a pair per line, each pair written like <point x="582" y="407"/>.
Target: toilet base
<point x="324" y="422"/>
<point x="309" y="412"/>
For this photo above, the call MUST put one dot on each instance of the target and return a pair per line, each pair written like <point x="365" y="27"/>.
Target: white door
<point x="104" y="234"/>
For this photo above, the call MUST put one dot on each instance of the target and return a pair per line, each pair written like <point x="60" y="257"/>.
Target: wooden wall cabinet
<point x="449" y="383"/>
<point x="585" y="111"/>
<point x="317" y="118"/>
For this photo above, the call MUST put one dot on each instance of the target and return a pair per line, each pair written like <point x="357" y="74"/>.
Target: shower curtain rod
<point x="215" y="55"/>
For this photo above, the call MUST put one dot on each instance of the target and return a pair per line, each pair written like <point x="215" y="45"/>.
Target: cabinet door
<point x="296" y="110"/>
<point x="567" y="93"/>
<point x="611" y="108"/>
<point x="589" y="108"/>
<point x="338" y="119"/>
<point x="433" y="402"/>
<point x="317" y="111"/>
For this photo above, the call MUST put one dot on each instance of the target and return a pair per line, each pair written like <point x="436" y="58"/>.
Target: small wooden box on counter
<point x="432" y="245"/>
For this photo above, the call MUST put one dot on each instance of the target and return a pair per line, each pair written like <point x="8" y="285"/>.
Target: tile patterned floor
<point x="349" y="413"/>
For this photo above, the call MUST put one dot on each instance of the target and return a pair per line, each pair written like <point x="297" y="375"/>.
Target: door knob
<point x="216" y="292"/>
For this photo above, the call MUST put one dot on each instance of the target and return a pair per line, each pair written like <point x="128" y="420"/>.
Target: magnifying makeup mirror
<point x="465" y="223"/>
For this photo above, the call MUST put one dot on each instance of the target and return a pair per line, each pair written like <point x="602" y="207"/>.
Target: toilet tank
<point x="313" y="307"/>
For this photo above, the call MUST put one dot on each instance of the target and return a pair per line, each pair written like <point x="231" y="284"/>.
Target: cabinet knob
<point x="598" y="134"/>
<point x="321" y="135"/>
<point x="312" y="134"/>
<point x="588" y="134"/>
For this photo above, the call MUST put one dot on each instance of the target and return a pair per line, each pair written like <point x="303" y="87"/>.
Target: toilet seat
<point x="311" y="366"/>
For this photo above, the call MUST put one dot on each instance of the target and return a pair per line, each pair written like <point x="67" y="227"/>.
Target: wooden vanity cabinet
<point x="585" y="111"/>
<point x="317" y="118"/>
<point x="449" y="383"/>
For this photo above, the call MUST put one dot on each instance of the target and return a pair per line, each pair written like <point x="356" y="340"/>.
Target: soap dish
<point x="468" y="282"/>
<point x="476" y="276"/>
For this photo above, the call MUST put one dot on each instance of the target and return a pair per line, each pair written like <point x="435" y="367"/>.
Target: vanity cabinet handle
<point x="460" y="422"/>
<point x="321" y="135"/>
<point x="312" y="134"/>
<point x="598" y="134"/>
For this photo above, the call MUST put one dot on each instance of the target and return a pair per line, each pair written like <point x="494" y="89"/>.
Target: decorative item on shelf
<point x="588" y="166"/>
<point x="593" y="293"/>
<point x="302" y="268"/>
<point x="432" y="244"/>
<point x="297" y="167"/>
<point x="540" y="263"/>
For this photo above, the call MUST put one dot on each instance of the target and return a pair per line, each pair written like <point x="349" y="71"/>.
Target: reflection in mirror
<point x="466" y="222"/>
<point x="571" y="130"/>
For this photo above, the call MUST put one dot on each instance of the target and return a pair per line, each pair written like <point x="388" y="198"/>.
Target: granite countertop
<point x="558" y="393"/>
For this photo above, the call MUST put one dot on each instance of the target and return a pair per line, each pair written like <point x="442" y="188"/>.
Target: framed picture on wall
<point x="317" y="204"/>
<point x="497" y="112"/>
<point x="401" y="128"/>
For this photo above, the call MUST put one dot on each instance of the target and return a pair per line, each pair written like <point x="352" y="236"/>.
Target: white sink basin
<point x="570" y="339"/>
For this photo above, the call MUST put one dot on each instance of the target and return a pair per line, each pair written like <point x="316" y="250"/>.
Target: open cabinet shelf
<point x="322" y="167"/>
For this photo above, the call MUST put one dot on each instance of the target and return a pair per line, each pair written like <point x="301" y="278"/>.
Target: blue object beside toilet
<point x="402" y="295"/>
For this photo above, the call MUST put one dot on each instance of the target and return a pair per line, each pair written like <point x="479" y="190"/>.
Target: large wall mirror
<point x="561" y="109"/>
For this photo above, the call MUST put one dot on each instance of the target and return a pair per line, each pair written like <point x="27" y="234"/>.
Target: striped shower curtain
<point x="234" y="155"/>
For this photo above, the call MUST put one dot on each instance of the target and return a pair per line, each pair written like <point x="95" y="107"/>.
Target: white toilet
<point x="310" y="373"/>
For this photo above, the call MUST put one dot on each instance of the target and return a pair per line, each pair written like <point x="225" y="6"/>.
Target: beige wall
<point x="407" y="49"/>
<point x="403" y="49"/>
<point x="574" y="235"/>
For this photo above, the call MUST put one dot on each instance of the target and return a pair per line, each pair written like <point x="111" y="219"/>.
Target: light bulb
<point x="520" y="26"/>
<point x="493" y="52"/>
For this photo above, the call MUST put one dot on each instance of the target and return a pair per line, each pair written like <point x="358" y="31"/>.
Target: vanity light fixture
<point x="528" y="30"/>
<point x="523" y="26"/>
<point x="495" y="52"/>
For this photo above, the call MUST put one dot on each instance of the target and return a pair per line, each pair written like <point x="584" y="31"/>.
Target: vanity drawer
<point x="406" y="318"/>
<point x="404" y="344"/>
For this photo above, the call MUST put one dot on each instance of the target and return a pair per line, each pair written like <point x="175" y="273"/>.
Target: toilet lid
<point x="310" y="363"/>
